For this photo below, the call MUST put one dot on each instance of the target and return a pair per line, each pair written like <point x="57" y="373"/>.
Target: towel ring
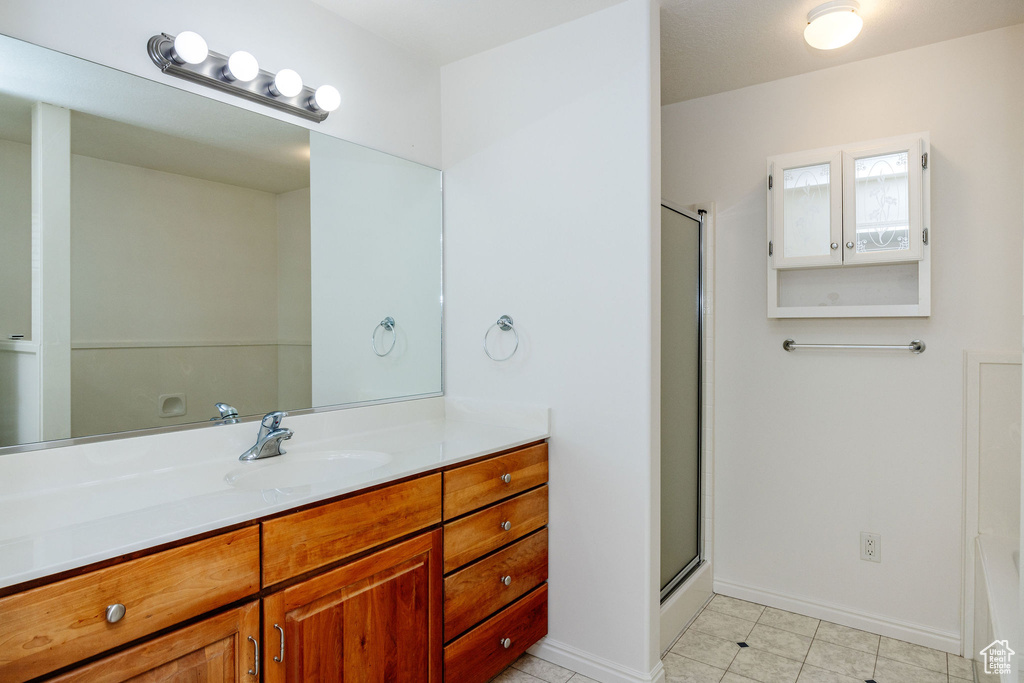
<point x="505" y="325"/>
<point x="388" y="324"/>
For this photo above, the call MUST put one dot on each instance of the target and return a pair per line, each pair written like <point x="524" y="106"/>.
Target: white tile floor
<point x="781" y="647"/>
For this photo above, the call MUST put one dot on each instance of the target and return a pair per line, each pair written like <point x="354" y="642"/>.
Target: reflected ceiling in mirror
<point x="189" y="252"/>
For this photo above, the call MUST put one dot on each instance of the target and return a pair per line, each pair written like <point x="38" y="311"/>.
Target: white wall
<point x="16" y="238"/>
<point x="551" y="181"/>
<point x="367" y="203"/>
<point x="813" y="448"/>
<point x="174" y="290"/>
<point x="390" y="100"/>
<point x="294" y="366"/>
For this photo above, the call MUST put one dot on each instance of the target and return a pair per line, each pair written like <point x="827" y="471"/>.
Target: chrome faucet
<point x="268" y="443"/>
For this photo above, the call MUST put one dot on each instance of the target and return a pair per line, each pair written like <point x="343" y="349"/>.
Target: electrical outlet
<point x="870" y="547"/>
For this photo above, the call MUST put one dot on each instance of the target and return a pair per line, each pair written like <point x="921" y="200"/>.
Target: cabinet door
<point x="806" y="211"/>
<point x="374" y="620"/>
<point x="883" y="202"/>
<point x="216" y="650"/>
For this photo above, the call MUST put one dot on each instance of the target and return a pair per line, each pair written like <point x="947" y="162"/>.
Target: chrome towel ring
<point x="505" y="325"/>
<point x="388" y="324"/>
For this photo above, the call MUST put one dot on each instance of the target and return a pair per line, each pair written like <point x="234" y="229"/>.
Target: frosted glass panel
<point x="806" y="219"/>
<point x="881" y="189"/>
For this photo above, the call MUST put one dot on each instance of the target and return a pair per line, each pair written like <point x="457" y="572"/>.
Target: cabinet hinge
<point x="924" y="160"/>
<point x="771" y="247"/>
<point x="924" y="236"/>
<point x="769" y="181"/>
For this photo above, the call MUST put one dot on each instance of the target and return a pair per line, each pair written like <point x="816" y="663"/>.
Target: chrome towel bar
<point x="917" y="346"/>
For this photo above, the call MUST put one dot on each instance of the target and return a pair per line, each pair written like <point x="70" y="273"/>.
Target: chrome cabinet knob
<point x="849" y="245"/>
<point x="507" y="580"/>
<point x="505" y="643"/>
<point x="507" y="478"/>
<point x="115" y="613"/>
<point x="507" y="526"/>
<point x="835" y="245"/>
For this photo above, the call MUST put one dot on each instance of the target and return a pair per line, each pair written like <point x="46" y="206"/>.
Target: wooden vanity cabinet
<point x="440" y="577"/>
<point x="374" y="620"/>
<point x="495" y="562"/>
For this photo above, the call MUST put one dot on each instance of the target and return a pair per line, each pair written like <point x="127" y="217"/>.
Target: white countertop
<point x="63" y="508"/>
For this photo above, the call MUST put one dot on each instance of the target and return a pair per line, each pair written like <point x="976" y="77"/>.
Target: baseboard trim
<point x="865" y="621"/>
<point x="592" y="666"/>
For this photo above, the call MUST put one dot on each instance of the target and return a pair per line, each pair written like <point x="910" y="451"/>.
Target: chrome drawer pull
<point x="280" y="657"/>
<point x="256" y="658"/>
<point x="507" y="580"/>
<point x="115" y="613"/>
<point x="507" y="478"/>
<point x="507" y="526"/>
<point x="505" y="643"/>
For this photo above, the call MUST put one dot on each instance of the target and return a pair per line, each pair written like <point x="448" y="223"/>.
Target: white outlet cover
<point x="870" y="547"/>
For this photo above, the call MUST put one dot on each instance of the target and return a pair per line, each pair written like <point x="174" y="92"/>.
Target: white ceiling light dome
<point x="833" y="24"/>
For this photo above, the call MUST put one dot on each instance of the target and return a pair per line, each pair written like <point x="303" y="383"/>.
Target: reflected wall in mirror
<point x="164" y="252"/>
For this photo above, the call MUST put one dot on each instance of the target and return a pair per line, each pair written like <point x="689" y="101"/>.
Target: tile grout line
<point x="806" y="654"/>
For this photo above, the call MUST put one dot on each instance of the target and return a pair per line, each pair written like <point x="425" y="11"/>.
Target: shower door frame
<point x="700" y="216"/>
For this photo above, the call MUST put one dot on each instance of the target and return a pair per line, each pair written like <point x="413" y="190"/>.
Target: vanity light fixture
<point x="187" y="56"/>
<point x="833" y="24"/>
<point x="287" y="83"/>
<point x="241" y="66"/>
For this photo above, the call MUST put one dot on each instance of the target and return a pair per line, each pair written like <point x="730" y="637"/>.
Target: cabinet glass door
<point x="807" y="216"/>
<point x="882" y="203"/>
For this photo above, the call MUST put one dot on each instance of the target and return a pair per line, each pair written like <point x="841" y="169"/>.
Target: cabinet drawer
<point x="474" y="486"/>
<point x="215" y="649"/>
<point x="471" y="537"/>
<point x="474" y="593"/>
<point x="481" y="654"/>
<point x="316" y="537"/>
<point x="61" y="623"/>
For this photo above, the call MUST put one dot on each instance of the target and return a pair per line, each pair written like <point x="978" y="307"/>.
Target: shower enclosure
<point x="682" y="236"/>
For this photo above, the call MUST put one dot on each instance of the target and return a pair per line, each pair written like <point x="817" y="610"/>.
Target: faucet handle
<point x="272" y="421"/>
<point x="225" y="410"/>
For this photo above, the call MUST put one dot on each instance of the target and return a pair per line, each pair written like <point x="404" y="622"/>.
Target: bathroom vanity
<point x="413" y="573"/>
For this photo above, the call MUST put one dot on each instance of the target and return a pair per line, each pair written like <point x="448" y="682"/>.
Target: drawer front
<point x="213" y="650"/>
<point x="474" y="593"/>
<point x="480" y="484"/>
<point x="481" y="654"/>
<point x="61" y="623"/>
<point x="471" y="537"/>
<point x="316" y="537"/>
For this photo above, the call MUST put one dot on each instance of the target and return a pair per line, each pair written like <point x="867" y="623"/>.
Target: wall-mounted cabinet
<point x="848" y="230"/>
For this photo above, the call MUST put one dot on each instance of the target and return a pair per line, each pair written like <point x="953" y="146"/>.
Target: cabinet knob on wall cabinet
<point x="506" y="643"/>
<point x="115" y="613"/>
<point x="834" y="245"/>
<point x="849" y="245"/>
<point x="507" y="478"/>
<point x="506" y="580"/>
<point x="507" y="526"/>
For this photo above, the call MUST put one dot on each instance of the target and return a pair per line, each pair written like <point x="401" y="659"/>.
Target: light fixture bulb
<point x="189" y="48"/>
<point x="286" y="83"/>
<point x="326" y="98"/>
<point x="241" y="66"/>
<point x="833" y="24"/>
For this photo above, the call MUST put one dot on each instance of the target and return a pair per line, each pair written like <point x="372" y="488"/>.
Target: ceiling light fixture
<point x="833" y="24"/>
<point x="187" y="56"/>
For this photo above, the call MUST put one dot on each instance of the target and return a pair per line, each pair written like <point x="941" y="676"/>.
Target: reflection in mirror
<point x="159" y="249"/>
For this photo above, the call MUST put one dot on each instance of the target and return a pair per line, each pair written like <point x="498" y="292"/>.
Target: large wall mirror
<point x="163" y="252"/>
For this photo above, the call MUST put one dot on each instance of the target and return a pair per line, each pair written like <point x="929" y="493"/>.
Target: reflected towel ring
<point x="388" y="324"/>
<point x="505" y="325"/>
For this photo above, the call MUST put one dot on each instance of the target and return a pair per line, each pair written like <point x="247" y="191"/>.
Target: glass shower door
<point x="680" y="396"/>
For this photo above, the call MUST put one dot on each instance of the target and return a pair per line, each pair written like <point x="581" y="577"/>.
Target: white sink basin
<point x="306" y="469"/>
